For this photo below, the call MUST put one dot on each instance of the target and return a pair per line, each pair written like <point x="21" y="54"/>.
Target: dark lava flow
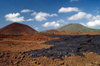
<point x="70" y="45"/>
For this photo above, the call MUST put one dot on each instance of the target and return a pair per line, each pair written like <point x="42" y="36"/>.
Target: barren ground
<point x="55" y="50"/>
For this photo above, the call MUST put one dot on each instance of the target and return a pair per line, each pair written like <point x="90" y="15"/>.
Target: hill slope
<point x="17" y="28"/>
<point x="77" y="28"/>
<point x="50" y="31"/>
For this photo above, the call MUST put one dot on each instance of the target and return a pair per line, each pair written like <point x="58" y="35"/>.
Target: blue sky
<point x="50" y="14"/>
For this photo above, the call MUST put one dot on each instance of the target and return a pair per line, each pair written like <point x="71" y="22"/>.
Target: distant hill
<point x="77" y="28"/>
<point x="17" y="28"/>
<point x="50" y="31"/>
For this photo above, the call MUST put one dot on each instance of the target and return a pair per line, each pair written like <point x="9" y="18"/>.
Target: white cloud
<point x="26" y="10"/>
<point x="14" y="17"/>
<point x="31" y="19"/>
<point x="41" y="16"/>
<point x="80" y="15"/>
<point x="73" y="0"/>
<point x="94" y="22"/>
<point x="83" y="24"/>
<point x="34" y="13"/>
<point x="52" y="15"/>
<point x="60" y="21"/>
<point x="51" y="24"/>
<point x="97" y="17"/>
<point x="36" y="28"/>
<point x="68" y="9"/>
<point x="54" y="23"/>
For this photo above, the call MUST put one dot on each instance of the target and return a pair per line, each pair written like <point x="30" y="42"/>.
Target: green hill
<point x="77" y="28"/>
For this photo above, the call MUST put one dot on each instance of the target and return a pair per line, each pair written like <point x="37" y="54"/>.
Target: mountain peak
<point x="16" y="23"/>
<point x="17" y="28"/>
<point x="74" y="27"/>
<point x="75" y="24"/>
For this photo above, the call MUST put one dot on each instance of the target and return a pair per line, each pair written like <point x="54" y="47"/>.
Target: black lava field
<point x="70" y="45"/>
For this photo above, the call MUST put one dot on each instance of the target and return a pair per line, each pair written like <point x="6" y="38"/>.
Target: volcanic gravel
<point x="70" y="45"/>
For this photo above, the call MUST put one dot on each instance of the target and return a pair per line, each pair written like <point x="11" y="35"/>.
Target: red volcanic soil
<point x="12" y="48"/>
<point x="33" y="37"/>
<point x="3" y="36"/>
<point x="74" y="33"/>
<point x="11" y="53"/>
<point x="17" y="28"/>
<point x="91" y="33"/>
<point x="24" y="43"/>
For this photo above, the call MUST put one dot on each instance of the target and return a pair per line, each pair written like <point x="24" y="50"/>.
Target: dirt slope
<point x="17" y="28"/>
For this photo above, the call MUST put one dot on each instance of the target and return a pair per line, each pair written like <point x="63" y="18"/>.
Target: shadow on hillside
<point x="69" y="45"/>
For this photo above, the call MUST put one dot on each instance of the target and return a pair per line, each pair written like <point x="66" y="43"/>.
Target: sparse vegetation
<point x="14" y="34"/>
<point x="77" y="28"/>
<point x="72" y="46"/>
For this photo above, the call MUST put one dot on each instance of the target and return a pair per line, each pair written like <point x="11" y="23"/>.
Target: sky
<point x="50" y="14"/>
